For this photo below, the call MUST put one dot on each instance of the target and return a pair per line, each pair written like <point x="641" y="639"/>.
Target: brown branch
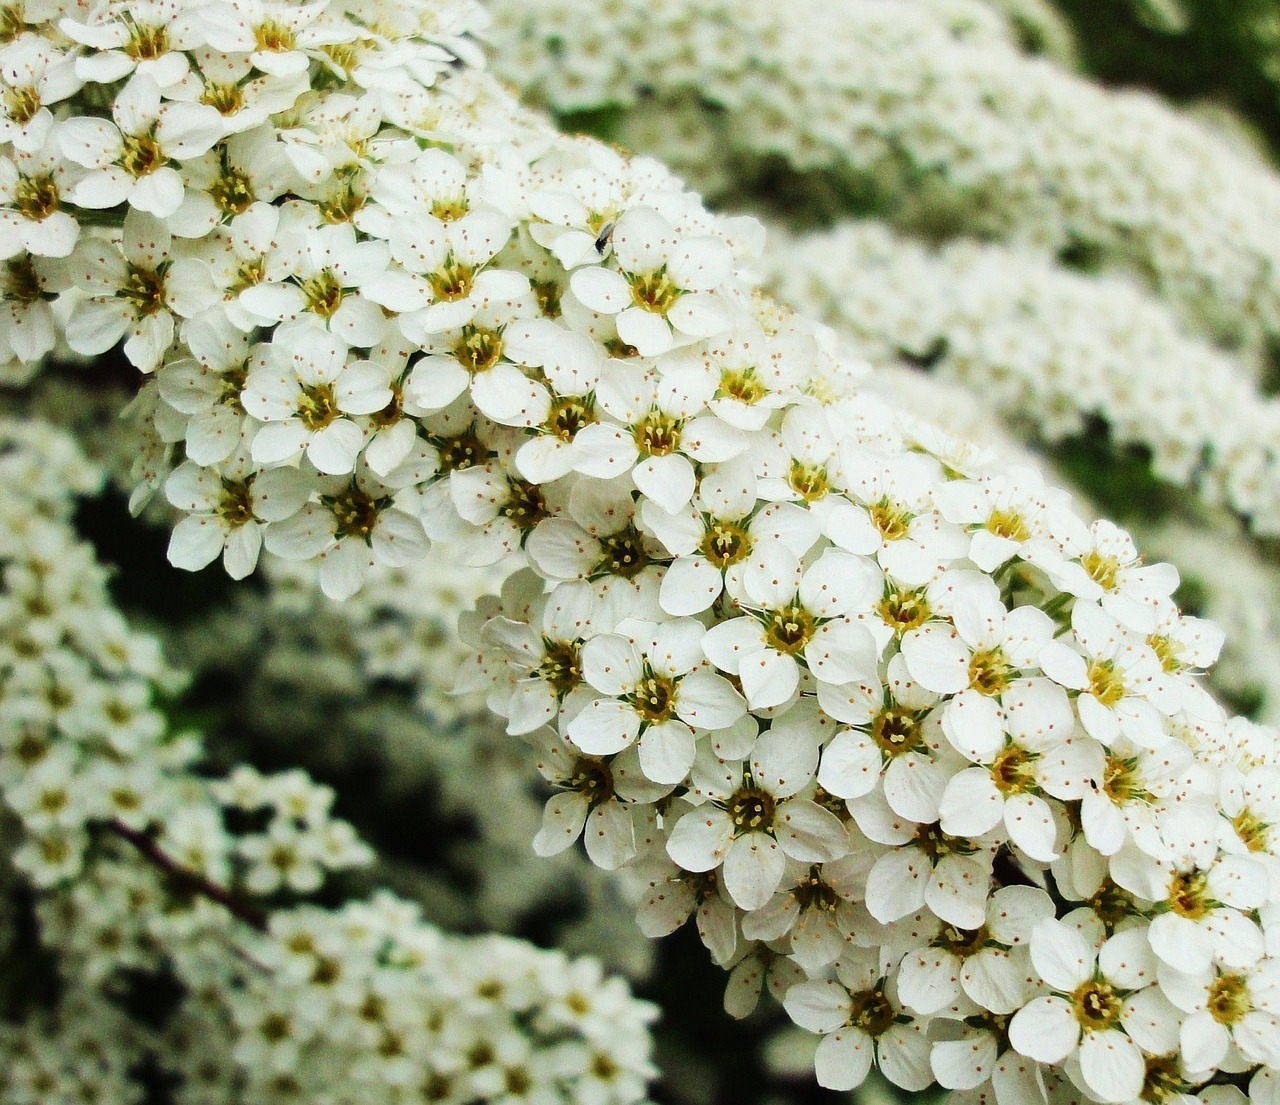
<point x="189" y="879"/>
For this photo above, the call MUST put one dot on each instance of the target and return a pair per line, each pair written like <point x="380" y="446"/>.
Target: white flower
<point x="797" y="613"/>
<point x="277" y="36"/>
<point x="571" y="364"/>
<point x="1003" y="513"/>
<point x="892" y="515"/>
<point x="1035" y="758"/>
<point x="813" y="912"/>
<point x="139" y="289"/>
<point x="1087" y="1015"/>
<point x="755" y="818"/>
<point x="1116" y="677"/>
<point x="660" y="689"/>
<point x="228" y="510"/>
<point x="712" y="537"/>
<point x="860" y="1024"/>
<point x="1225" y="1007"/>
<point x="1206" y="916"/>
<point x="31" y="189"/>
<point x="660" y="436"/>
<point x="304" y="388"/>
<point x="325" y="273"/>
<point x="453" y="259"/>
<point x="486" y="357"/>
<point x="672" y="894"/>
<point x="130" y="160"/>
<point x="206" y="386"/>
<point x="896" y="749"/>
<point x="594" y="802"/>
<point x="150" y="38"/>
<point x="354" y="526"/>
<point x="35" y="75"/>
<point x="1108" y="570"/>
<point x="923" y="867"/>
<point x="28" y="327"/>
<point x="757" y="374"/>
<point x="664" y="281"/>
<point x="989" y="964"/>
<point x="1136" y="785"/>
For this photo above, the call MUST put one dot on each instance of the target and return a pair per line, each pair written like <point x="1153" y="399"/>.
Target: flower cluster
<point x="146" y="867"/>
<point x="911" y="115"/>
<point x="917" y="746"/>
<point x="1049" y="348"/>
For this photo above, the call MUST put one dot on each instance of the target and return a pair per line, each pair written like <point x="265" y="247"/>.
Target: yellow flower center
<point x="1229" y="999"/>
<point x="37" y="197"/>
<point x="872" y="1012"/>
<point x="232" y="192"/>
<point x="356" y="513"/>
<point x="1251" y="830"/>
<point x="317" y="406"/>
<point x="147" y="43"/>
<point x="657" y="434"/>
<point x="144" y="289"/>
<point x="809" y="481"/>
<point x="274" y="37"/>
<point x="622" y="554"/>
<point x="226" y="99"/>
<point x="751" y="810"/>
<point x="889" y="519"/>
<point x="452" y="281"/>
<point x="789" y="629"/>
<point x="562" y="665"/>
<point x="593" y="778"/>
<point x="21" y="102"/>
<point x="725" y="543"/>
<point x="478" y="349"/>
<point x="141" y="154"/>
<point x="811" y="893"/>
<point x="904" y="610"/>
<point x="1105" y="683"/>
<point x="742" y="385"/>
<point x="989" y="671"/>
<point x="1013" y="770"/>
<point x="654" y="291"/>
<point x="323" y="293"/>
<point x="897" y="731"/>
<point x="1103" y="570"/>
<point x="1189" y="894"/>
<point x="654" y="697"/>
<point x="1009" y="524"/>
<point x="236" y="503"/>
<point x="1096" y="1006"/>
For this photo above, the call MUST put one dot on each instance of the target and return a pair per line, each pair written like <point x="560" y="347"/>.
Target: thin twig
<point x="190" y="879"/>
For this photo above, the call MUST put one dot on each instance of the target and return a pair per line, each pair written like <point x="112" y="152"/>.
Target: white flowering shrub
<point x="923" y="753"/>
<point x="141" y="873"/>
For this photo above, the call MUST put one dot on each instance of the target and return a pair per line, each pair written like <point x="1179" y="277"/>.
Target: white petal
<point x="753" y="869"/>
<point x="700" y="838"/>
<point x="809" y="833"/>
<point x="843" y="1059"/>
<point x="851" y="764"/>
<point x="604" y="726"/>
<point x="1045" y="1030"/>
<point x="562" y="821"/>
<point x="610" y="836"/>
<point x="667" y="752"/>
<point x="1061" y="956"/>
<point x="1112" y="1066"/>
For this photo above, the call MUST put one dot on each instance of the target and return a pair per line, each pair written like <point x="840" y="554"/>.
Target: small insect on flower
<point x="602" y="239"/>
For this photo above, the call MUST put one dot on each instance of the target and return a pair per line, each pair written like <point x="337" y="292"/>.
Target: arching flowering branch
<point x="140" y="874"/>
<point x="911" y="738"/>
